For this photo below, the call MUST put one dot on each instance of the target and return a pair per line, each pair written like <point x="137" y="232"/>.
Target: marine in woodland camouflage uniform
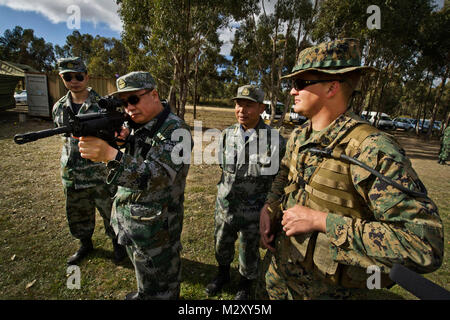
<point x="347" y="218"/>
<point x="445" y="146"/>
<point x="83" y="180"/>
<point x="148" y="207"/>
<point x="249" y="159"/>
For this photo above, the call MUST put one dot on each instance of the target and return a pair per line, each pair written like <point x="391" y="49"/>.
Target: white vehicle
<point x="267" y="112"/>
<point x="403" y="123"/>
<point x="384" y="122"/>
<point x="295" y="117"/>
<point x="21" y="97"/>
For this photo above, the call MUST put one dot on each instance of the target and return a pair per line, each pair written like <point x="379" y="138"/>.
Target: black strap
<point x="162" y="116"/>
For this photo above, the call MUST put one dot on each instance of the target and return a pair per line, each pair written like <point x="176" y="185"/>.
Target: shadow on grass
<point x="107" y="255"/>
<point x="200" y="274"/>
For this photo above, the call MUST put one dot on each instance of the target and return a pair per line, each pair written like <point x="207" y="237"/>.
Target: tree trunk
<point x="273" y="91"/>
<point x="436" y="104"/>
<point x="172" y="97"/>
<point x="195" y="85"/>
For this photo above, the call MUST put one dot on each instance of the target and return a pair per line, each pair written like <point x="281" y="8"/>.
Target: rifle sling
<point x="162" y="116"/>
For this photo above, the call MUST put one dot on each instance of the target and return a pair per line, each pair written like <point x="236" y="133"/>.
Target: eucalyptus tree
<point x="22" y="46"/>
<point x="166" y="37"/>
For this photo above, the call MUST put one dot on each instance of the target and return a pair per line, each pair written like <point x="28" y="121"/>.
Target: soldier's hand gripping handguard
<point x="270" y="221"/>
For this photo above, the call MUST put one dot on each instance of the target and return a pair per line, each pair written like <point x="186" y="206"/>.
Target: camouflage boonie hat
<point x="251" y="93"/>
<point x="135" y="81"/>
<point x="334" y="57"/>
<point x="72" y="64"/>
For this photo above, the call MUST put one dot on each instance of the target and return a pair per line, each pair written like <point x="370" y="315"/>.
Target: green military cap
<point x="71" y="64"/>
<point x="134" y="81"/>
<point x="251" y="93"/>
<point x="333" y="57"/>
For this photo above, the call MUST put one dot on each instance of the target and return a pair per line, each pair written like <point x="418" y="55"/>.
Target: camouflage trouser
<point x="80" y="209"/>
<point x="443" y="153"/>
<point x="158" y="272"/>
<point x="290" y="281"/>
<point x="225" y="236"/>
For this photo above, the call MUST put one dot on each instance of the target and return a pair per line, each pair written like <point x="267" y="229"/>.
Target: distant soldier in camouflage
<point x="249" y="158"/>
<point x="148" y="208"/>
<point x="326" y="220"/>
<point x="445" y="144"/>
<point x="84" y="182"/>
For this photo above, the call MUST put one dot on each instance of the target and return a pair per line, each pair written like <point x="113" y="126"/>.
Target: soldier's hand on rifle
<point x="122" y="136"/>
<point x="96" y="149"/>
<point x="265" y="231"/>
<point x="300" y="219"/>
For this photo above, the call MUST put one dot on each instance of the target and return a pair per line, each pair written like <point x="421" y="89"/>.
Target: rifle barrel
<point x="33" y="136"/>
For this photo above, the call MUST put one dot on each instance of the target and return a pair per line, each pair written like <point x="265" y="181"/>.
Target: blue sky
<point x="46" y="26"/>
<point x="43" y="28"/>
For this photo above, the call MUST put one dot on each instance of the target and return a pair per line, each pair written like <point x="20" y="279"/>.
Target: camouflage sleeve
<point x="156" y="170"/>
<point x="281" y="179"/>
<point x="55" y="111"/>
<point x="403" y="230"/>
<point x="221" y="154"/>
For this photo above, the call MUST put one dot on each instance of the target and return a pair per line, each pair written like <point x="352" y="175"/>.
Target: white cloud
<point x="226" y="35"/>
<point x="94" y="11"/>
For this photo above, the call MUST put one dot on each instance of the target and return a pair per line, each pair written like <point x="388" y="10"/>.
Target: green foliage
<point x="104" y="57"/>
<point x="172" y="39"/>
<point x="22" y="46"/>
<point x="178" y="42"/>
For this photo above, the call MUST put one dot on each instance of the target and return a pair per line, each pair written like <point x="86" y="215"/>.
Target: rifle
<point x="103" y="125"/>
<point x="419" y="286"/>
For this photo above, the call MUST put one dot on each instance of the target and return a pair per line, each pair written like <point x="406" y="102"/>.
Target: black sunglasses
<point x="300" y="84"/>
<point x="134" y="98"/>
<point x="68" y="77"/>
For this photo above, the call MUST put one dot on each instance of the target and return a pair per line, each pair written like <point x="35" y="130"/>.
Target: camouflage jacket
<point x="248" y="169"/>
<point x="75" y="171"/>
<point x="445" y="138"/>
<point x="402" y="229"/>
<point x="148" y="207"/>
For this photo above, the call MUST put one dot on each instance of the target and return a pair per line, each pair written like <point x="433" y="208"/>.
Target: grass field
<point x="35" y="241"/>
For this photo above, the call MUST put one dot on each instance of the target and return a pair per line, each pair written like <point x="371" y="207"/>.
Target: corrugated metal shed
<point x="10" y="75"/>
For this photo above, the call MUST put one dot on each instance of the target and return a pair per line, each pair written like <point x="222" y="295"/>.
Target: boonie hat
<point x="333" y="57"/>
<point x="250" y="92"/>
<point x="134" y="81"/>
<point x="71" y="64"/>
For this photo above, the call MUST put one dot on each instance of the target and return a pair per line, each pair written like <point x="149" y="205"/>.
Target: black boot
<point x="119" y="251"/>
<point x="223" y="277"/>
<point x="85" y="248"/>
<point x="244" y="288"/>
<point x="133" y="296"/>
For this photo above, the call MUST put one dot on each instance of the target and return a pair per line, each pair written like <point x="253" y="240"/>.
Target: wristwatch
<point x="114" y="164"/>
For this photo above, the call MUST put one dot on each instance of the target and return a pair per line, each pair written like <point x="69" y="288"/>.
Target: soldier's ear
<point x="261" y="107"/>
<point x="333" y="88"/>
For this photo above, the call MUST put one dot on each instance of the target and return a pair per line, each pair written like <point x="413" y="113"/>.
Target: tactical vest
<point x="330" y="189"/>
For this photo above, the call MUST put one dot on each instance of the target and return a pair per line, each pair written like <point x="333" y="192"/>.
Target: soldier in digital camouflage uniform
<point x="445" y="145"/>
<point x="84" y="182"/>
<point x="148" y="207"/>
<point x="249" y="157"/>
<point x="326" y="220"/>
